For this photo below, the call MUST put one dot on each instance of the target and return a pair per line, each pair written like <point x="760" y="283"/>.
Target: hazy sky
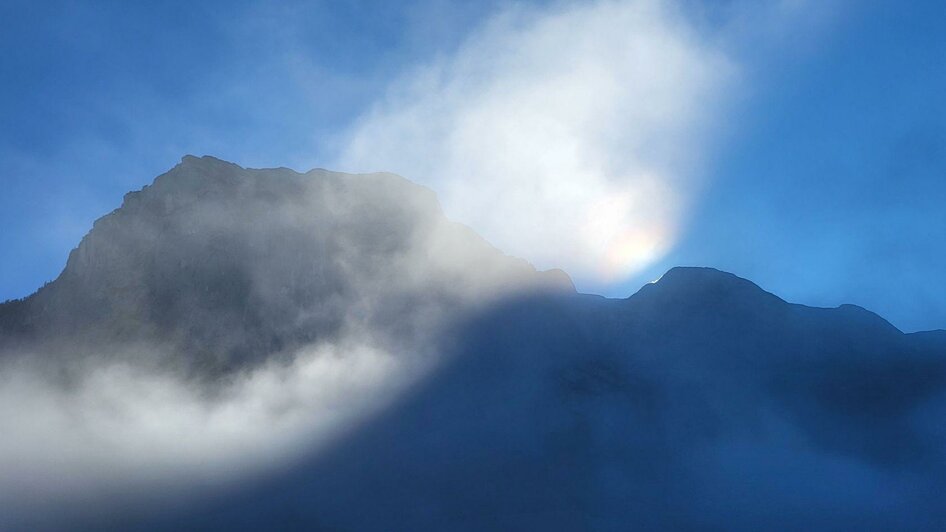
<point x="798" y="144"/>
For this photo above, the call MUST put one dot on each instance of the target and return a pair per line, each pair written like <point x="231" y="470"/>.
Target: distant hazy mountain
<point x="700" y="402"/>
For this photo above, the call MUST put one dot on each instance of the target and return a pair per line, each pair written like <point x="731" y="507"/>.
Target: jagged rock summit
<point x="224" y="266"/>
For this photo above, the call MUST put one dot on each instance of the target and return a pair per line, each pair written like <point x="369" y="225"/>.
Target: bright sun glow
<point x="567" y="137"/>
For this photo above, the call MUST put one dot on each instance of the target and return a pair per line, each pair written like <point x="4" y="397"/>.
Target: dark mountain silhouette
<point x="700" y="402"/>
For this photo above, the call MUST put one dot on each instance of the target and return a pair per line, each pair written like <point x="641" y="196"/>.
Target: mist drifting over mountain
<point x="264" y="349"/>
<point x="223" y="316"/>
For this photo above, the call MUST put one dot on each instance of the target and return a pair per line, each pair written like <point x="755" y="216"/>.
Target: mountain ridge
<point x="210" y="249"/>
<point x="504" y="398"/>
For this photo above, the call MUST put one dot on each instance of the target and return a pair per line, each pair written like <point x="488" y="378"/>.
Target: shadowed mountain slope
<point x="701" y="402"/>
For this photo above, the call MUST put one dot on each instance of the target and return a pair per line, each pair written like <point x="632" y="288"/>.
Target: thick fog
<point x="117" y="436"/>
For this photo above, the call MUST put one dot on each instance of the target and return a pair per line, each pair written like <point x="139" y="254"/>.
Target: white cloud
<point x="567" y="136"/>
<point x="119" y="431"/>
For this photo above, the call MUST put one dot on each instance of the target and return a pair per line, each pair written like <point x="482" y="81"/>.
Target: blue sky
<point x="820" y="127"/>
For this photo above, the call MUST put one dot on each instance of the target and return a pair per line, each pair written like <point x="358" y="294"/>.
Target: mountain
<point x="219" y="268"/>
<point x="700" y="402"/>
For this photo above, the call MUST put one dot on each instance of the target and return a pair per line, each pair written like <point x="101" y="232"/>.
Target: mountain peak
<point x="708" y="289"/>
<point x="694" y="280"/>
<point x="240" y="264"/>
<point x="204" y="166"/>
<point x="689" y="274"/>
<point x="203" y="160"/>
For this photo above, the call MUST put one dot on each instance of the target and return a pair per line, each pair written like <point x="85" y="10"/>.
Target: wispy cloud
<point x="566" y="135"/>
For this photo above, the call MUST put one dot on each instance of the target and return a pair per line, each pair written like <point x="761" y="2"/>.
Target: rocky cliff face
<point x="222" y="267"/>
